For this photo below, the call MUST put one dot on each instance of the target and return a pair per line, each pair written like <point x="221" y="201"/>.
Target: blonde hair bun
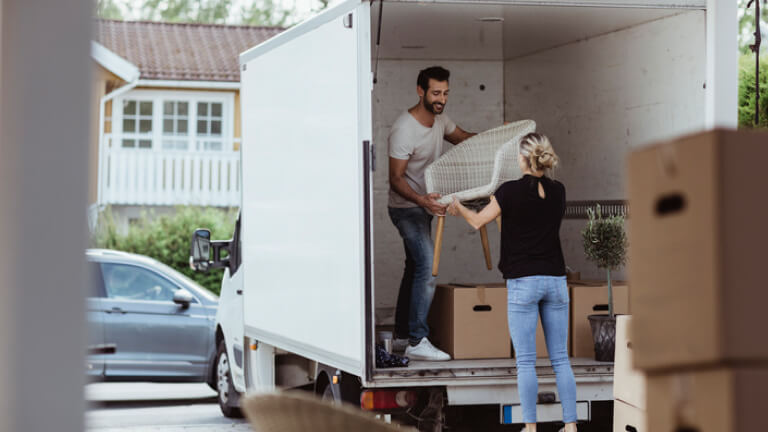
<point x="538" y="152"/>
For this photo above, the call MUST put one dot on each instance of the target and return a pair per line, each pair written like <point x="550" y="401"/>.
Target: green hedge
<point x="166" y="238"/>
<point x="747" y="91"/>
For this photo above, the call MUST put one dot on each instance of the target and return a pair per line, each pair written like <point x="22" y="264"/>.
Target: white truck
<point x="314" y="264"/>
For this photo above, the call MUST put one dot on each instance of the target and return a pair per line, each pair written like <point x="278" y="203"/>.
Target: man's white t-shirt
<point x="420" y="146"/>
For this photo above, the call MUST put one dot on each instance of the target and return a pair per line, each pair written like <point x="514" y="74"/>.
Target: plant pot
<point x="603" y="336"/>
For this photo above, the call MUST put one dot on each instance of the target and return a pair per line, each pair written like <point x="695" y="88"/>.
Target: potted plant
<point x="605" y="244"/>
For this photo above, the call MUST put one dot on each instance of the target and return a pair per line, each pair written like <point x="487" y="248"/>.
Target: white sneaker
<point x="426" y="351"/>
<point x="399" y="345"/>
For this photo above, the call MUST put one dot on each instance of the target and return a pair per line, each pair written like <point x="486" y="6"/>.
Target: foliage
<point x="166" y="238"/>
<point x="251" y="12"/>
<point x="747" y="91"/>
<point x="264" y="13"/>
<point x="605" y="241"/>
<point x="747" y="26"/>
<point x="199" y="11"/>
<point x="108" y="9"/>
<point x="605" y="244"/>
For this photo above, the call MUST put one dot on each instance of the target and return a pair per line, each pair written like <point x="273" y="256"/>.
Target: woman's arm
<point x="477" y="220"/>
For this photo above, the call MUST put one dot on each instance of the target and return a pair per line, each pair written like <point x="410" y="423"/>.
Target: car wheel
<point x="227" y="394"/>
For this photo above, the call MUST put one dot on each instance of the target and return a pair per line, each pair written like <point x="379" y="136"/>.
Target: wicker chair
<point x="297" y="411"/>
<point x="474" y="170"/>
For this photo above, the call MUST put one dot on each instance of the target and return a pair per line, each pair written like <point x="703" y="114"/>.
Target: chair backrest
<point x="505" y="165"/>
<point x="297" y="411"/>
<point x="479" y="160"/>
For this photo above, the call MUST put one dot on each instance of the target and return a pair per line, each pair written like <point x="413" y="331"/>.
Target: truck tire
<point x="226" y="393"/>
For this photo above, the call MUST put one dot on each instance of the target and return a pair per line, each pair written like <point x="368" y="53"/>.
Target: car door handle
<point x="240" y="292"/>
<point x="116" y="310"/>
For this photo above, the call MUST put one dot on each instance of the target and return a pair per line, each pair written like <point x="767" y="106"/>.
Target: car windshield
<point x="200" y="289"/>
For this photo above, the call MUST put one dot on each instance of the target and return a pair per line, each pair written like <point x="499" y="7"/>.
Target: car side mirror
<point x="200" y="252"/>
<point x="183" y="298"/>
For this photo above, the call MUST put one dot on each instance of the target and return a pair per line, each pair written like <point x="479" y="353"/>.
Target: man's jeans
<point x="418" y="285"/>
<point x="526" y="297"/>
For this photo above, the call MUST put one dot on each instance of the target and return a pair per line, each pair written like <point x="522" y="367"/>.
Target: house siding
<point x="102" y="81"/>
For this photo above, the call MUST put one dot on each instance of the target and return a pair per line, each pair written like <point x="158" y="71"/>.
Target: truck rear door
<point x="306" y="114"/>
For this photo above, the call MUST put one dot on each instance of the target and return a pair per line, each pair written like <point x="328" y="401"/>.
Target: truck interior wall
<point x="598" y="98"/>
<point x="471" y="108"/>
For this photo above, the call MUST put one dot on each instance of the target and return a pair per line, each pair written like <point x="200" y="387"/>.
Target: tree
<point x="747" y="26"/>
<point x="257" y="13"/>
<point x="198" y="11"/>
<point x="108" y="9"/>
<point x="264" y="13"/>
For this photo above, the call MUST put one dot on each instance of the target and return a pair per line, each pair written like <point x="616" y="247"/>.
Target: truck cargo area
<point x="597" y="79"/>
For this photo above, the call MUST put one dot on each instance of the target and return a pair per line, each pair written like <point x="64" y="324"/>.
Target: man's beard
<point x="431" y="106"/>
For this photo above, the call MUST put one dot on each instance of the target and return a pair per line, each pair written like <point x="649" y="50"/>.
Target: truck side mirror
<point x="200" y="252"/>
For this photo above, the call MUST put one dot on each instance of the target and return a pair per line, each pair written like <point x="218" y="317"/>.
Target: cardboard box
<point x="698" y="234"/>
<point x="708" y="400"/>
<point x="628" y="383"/>
<point x="470" y="322"/>
<point x="590" y="298"/>
<point x="628" y="418"/>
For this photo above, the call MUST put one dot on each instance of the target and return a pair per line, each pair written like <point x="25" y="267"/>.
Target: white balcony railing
<point x="168" y="177"/>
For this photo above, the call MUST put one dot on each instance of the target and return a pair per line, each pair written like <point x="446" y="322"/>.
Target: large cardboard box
<point x="470" y="321"/>
<point x="628" y="382"/>
<point x="628" y="418"/>
<point x="708" y="400"/>
<point x="590" y="298"/>
<point x="698" y="234"/>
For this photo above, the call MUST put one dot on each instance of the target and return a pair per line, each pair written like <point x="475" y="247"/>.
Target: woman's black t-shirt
<point x="530" y="227"/>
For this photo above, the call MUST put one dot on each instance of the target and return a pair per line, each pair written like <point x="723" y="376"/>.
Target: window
<point x="168" y="120"/>
<point x="175" y="125"/>
<point x="137" y="124"/>
<point x="127" y="282"/>
<point x="209" y="130"/>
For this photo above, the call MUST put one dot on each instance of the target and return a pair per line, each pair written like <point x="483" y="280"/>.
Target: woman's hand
<point x="453" y="208"/>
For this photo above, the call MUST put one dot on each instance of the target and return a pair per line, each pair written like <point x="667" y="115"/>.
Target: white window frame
<point x="137" y="136"/>
<point x="227" y="99"/>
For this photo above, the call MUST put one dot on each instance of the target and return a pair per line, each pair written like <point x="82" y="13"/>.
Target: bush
<point x="166" y="238"/>
<point x="747" y="91"/>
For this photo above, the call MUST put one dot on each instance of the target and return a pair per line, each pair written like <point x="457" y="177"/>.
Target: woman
<point x="531" y="210"/>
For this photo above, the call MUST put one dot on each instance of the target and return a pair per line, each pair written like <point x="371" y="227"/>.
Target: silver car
<point x="159" y="322"/>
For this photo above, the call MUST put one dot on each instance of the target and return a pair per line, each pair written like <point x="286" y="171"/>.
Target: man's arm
<point x="398" y="183"/>
<point x="458" y="135"/>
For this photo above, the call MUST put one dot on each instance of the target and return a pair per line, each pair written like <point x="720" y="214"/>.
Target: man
<point x="416" y="140"/>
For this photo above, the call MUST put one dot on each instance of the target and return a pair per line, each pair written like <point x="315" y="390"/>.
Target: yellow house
<point x="166" y="113"/>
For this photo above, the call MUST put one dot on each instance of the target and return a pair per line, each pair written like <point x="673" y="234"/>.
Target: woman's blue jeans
<point x="418" y="285"/>
<point x="527" y="297"/>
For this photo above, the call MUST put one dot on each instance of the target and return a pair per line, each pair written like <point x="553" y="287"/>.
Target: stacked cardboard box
<point x="698" y="229"/>
<point x="629" y="387"/>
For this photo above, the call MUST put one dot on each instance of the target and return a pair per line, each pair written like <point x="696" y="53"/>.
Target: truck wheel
<point x="328" y="394"/>
<point x="227" y="395"/>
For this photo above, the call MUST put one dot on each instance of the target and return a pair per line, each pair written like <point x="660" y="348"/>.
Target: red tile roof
<point x="177" y="51"/>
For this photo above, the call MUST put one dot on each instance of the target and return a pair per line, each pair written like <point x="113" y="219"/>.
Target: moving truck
<point x="314" y="265"/>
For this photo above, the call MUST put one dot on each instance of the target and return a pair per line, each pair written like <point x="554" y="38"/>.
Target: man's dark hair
<point x="436" y="73"/>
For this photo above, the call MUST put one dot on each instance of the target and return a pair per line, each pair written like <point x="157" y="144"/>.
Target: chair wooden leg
<point x="498" y="222"/>
<point x="486" y="248"/>
<point x="438" y="244"/>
